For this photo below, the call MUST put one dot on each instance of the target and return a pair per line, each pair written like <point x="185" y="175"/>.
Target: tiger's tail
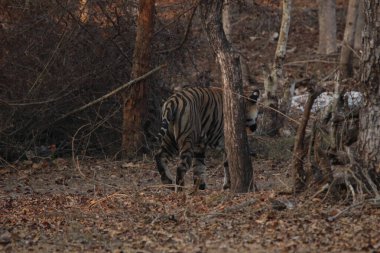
<point x="166" y="151"/>
<point x="168" y="114"/>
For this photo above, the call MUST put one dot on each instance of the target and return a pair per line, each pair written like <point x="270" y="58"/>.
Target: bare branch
<point x="124" y="86"/>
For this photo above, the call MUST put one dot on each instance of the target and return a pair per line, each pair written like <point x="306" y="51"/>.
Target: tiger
<point x="192" y="120"/>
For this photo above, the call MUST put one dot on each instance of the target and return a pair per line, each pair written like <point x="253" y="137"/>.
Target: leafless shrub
<point x="56" y="56"/>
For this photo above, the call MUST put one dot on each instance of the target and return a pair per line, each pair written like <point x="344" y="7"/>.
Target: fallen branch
<point x="336" y="216"/>
<point x="111" y="196"/>
<point x="230" y="209"/>
<point x="300" y="177"/>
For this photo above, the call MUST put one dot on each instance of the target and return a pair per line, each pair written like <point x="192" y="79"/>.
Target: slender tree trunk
<point x="226" y="21"/>
<point x="349" y="39"/>
<point x="327" y="26"/>
<point x="135" y="99"/>
<point x="83" y="11"/>
<point x="276" y="76"/>
<point x="369" y="128"/>
<point x="279" y="58"/>
<point x="359" y="26"/>
<point x="335" y="108"/>
<point x="133" y="7"/>
<point x="27" y="5"/>
<point x="236" y="143"/>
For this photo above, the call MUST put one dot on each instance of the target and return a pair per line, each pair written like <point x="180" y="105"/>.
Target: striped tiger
<point x="192" y="119"/>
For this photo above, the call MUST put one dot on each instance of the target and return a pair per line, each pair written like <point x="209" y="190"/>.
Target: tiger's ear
<point x="255" y="95"/>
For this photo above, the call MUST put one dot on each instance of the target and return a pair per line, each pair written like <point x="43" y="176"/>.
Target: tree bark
<point x="327" y="26"/>
<point x="369" y="118"/>
<point x="135" y="99"/>
<point x="236" y="143"/>
<point x="349" y="39"/>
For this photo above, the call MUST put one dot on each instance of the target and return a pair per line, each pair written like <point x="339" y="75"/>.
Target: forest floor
<point x="105" y="206"/>
<point x="108" y="206"/>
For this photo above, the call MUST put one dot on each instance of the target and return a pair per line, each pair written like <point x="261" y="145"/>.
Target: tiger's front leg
<point x="199" y="166"/>
<point x="186" y="161"/>
<point x="199" y="170"/>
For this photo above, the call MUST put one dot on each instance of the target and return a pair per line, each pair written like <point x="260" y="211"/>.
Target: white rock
<point x="354" y="99"/>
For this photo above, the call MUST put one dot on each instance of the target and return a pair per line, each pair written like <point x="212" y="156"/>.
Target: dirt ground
<point x="97" y="205"/>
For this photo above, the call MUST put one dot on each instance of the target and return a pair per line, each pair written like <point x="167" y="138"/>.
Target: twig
<point x="323" y="188"/>
<point x="370" y="182"/>
<point x="176" y="18"/>
<point x="29" y="103"/>
<point x="263" y="105"/>
<point x="88" y="32"/>
<point x="282" y="182"/>
<point x="241" y="20"/>
<point x="171" y="217"/>
<point x="350" y="187"/>
<point x="50" y="60"/>
<point x="240" y="206"/>
<point x="75" y="159"/>
<point x="7" y="163"/>
<point x="358" y="181"/>
<point x="351" y="49"/>
<point x="184" y="37"/>
<point x="169" y="186"/>
<point x="309" y="61"/>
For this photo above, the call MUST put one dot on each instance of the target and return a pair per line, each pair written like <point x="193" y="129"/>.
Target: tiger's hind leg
<point x="186" y="156"/>
<point x="199" y="167"/>
<point x="162" y="167"/>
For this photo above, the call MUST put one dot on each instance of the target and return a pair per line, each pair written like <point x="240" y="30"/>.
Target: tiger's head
<point x="252" y="110"/>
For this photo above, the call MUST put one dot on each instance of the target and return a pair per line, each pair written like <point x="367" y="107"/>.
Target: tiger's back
<point x="192" y="120"/>
<point x="195" y="113"/>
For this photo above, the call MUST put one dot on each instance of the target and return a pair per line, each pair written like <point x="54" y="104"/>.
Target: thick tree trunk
<point x="349" y="38"/>
<point x="369" y="128"/>
<point x="327" y="26"/>
<point x="227" y="31"/>
<point x="236" y="143"/>
<point x="135" y="99"/>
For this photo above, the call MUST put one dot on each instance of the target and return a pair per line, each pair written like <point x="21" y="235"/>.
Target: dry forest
<point x="82" y="83"/>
